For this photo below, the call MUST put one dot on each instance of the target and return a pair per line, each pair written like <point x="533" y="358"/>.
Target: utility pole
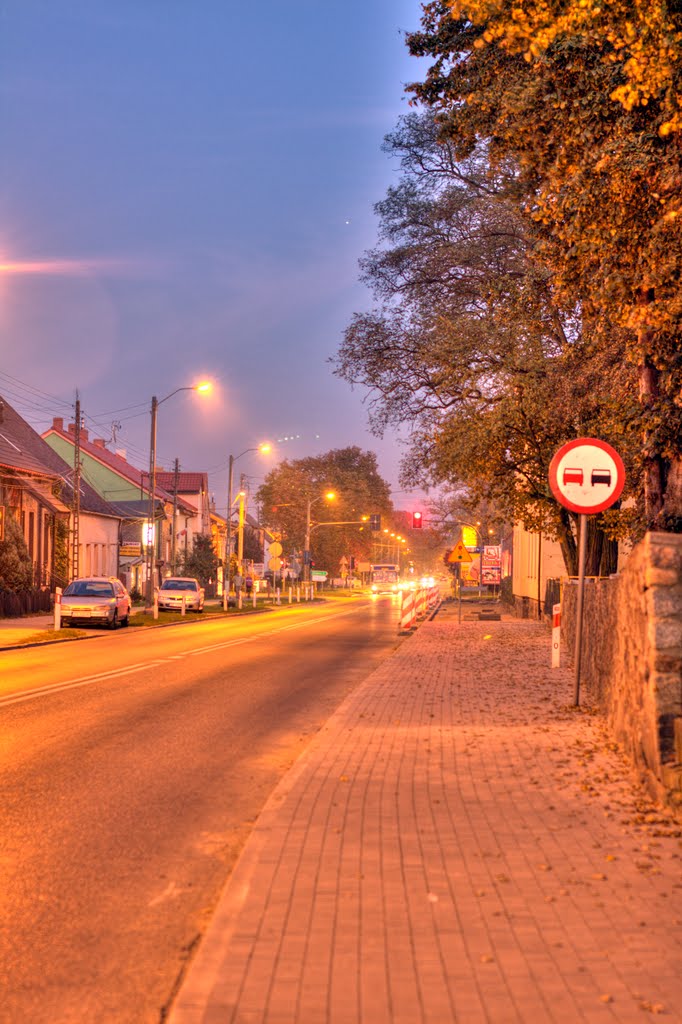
<point x="242" y="517"/>
<point x="176" y="471"/>
<point x="75" y="540"/>
<point x="151" y="532"/>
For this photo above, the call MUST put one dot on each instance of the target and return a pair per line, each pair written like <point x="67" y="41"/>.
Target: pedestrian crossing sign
<point x="459" y="553"/>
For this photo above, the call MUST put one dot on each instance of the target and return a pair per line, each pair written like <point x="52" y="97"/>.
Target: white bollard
<point x="254" y="593"/>
<point x="239" y="600"/>
<point x="155" y="605"/>
<point x="291" y="595"/>
<point x="556" y="635"/>
<point x="58" y="608"/>
<point x="298" y="594"/>
<point x="184" y="605"/>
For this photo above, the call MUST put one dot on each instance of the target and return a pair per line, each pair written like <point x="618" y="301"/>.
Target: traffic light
<point x="416" y="520"/>
<point x="375" y="521"/>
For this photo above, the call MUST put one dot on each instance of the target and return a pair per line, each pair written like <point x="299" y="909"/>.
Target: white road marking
<point x="72" y="684"/>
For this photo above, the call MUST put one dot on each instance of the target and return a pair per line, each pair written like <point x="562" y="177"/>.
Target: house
<point x="37" y="488"/>
<point x="126" y="489"/>
<point x="192" y="488"/>
<point x="535" y="560"/>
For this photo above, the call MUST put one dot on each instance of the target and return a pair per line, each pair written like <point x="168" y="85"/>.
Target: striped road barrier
<point x="408" y="611"/>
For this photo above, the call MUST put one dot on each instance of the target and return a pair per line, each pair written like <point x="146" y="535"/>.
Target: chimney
<point x="122" y="453"/>
<point x="58" y="424"/>
<point x="98" y="442"/>
<point x="72" y="430"/>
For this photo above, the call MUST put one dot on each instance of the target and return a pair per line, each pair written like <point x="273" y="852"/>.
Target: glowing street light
<point x="151" y="538"/>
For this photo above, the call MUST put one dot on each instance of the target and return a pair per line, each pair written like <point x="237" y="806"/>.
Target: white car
<point x="100" y="600"/>
<point x="175" y="588"/>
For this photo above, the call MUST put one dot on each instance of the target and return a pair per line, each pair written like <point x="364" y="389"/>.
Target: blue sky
<point x="196" y="179"/>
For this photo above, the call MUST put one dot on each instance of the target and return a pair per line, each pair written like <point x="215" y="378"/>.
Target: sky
<point x="186" y="188"/>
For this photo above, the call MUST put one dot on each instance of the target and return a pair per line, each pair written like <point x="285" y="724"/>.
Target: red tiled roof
<point x="188" y="483"/>
<point x="118" y="465"/>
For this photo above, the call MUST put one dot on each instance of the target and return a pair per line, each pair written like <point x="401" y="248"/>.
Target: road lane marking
<point x="72" y="684"/>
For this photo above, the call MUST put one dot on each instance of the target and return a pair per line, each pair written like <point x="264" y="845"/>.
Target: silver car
<point x="175" y="588"/>
<point x="101" y="600"/>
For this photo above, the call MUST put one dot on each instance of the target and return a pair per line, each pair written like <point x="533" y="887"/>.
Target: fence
<point x="13" y="605"/>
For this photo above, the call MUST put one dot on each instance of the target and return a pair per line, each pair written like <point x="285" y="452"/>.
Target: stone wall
<point x="631" y="661"/>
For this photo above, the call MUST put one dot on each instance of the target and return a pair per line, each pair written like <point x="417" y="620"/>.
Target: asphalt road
<point x="132" y="766"/>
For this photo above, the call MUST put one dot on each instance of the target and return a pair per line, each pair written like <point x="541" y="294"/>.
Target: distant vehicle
<point x="174" y="588"/>
<point x="601" y="476"/>
<point x="99" y="600"/>
<point x="385" y="577"/>
<point x="573" y="476"/>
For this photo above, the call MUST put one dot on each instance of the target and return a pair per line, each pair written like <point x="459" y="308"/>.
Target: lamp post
<point x="227" y="573"/>
<point x="329" y="496"/>
<point x="150" y="539"/>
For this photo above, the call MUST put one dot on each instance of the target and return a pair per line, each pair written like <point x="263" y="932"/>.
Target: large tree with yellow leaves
<point x="584" y="97"/>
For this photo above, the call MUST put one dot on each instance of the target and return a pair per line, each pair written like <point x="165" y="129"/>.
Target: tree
<point x="584" y="99"/>
<point x="16" y="568"/>
<point x="471" y="344"/>
<point x="202" y="561"/>
<point x="353" y="476"/>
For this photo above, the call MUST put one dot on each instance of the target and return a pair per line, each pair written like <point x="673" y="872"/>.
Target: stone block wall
<point x="631" y="661"/>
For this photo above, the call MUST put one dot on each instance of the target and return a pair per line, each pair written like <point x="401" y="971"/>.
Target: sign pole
<point x="582" y="550"/>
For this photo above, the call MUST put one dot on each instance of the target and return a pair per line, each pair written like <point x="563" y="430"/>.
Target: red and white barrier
<point x="408" y="611"/>
<point x="556" y="635"/>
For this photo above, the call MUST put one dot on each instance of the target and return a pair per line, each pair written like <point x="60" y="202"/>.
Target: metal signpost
<point x="586" y="476"/>
<point x="458" y="555"/>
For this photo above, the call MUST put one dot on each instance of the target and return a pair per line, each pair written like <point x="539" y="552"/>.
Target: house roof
<point x="22" y="438"/>
<point x="188" y="483"/>
<point x="97" y="450"/>
<point x="21" y="447"/>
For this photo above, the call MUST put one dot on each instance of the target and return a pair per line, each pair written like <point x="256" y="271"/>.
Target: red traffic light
<point x="416" y="520"/>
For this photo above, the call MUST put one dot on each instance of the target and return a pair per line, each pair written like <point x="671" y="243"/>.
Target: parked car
<point x="101" y="600"/>
<point x="174" y="588"/>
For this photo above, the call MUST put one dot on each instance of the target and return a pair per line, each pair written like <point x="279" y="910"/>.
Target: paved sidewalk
<point x="457" y="844"/>
<point x="16" y="631"/>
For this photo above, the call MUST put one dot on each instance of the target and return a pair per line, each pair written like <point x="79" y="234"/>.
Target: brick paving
<point x="458" y="844"/>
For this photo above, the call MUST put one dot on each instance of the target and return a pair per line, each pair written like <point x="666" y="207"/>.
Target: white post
<point x="155" y="609"/>
<point x="254" y="593"/>
<point x="58" y="608"/>
<point x="291" y="594"/>
<point x="184" y="604"/>
<point x="556" y="635"/>
<point x="239" y="602"/>
<point x="298" y="594"/>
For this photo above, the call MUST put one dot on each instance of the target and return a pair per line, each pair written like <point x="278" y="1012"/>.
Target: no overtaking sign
<point x="587" y="475"/>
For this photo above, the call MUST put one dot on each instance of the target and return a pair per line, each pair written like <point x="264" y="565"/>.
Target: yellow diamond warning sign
<point x="459" y="553"/>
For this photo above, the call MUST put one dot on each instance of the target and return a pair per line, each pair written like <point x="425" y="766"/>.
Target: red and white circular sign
<point x="587" y="475"/>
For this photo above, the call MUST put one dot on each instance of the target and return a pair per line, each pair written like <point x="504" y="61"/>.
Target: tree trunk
<point x="567" y="542"/>
<point x="595" y="547"/>
<point x="653" y="463"/>
<point x="672" y="505"/>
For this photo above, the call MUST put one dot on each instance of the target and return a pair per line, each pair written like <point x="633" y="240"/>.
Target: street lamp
<point x="151" y="538"/>
<point x="227" y="573"/>
<point x="329" y="496"/>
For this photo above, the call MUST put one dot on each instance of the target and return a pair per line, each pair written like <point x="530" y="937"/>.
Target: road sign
<point x="275" y="549"/>
<point x="275" y="564"/>
<point x="459" y="553"/>
<point x="587" y="475"/>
